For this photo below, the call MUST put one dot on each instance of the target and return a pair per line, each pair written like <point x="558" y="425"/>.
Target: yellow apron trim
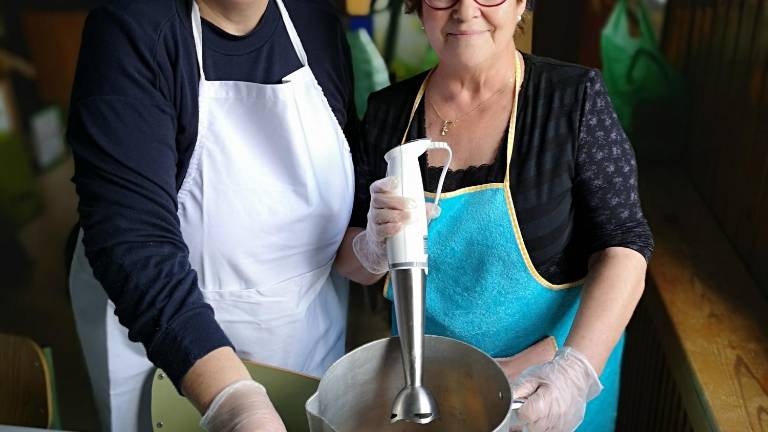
<point x="507" y="195"/>
<point x="524" y="251"/>
<point x="415" y="107"/>
<point x="386" y="285"/>
<point x="554" y="342"/>
<point x="466" y="190"/>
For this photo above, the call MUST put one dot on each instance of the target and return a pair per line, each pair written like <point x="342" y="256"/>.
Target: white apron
<point x="263" y="208"/>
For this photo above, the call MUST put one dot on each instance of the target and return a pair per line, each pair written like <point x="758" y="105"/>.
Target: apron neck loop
<point x="416" y="102"/>
<point x="512" y="118"/>
<point x="292" y="33"/>
<point x="197" y="31"/>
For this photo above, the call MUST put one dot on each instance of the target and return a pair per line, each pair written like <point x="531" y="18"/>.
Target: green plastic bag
<point x="634" y="69"/>
<point x="368" y="66"/>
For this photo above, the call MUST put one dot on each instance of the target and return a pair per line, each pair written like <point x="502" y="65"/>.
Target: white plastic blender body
<point x="408" y="249"/>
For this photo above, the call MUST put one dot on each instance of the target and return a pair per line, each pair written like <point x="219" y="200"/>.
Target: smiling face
<point x="469" y="34"/>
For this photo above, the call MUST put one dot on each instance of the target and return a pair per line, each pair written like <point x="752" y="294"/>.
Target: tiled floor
<point x="34" y="301"/>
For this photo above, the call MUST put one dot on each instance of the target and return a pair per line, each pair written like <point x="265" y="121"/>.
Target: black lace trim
<point x="473" y="175"/>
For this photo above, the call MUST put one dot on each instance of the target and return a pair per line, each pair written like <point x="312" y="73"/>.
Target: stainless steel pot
<point x="356" y="393"/>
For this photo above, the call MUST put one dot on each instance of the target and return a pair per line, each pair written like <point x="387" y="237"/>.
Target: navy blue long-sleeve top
<point x="133" y="127"/>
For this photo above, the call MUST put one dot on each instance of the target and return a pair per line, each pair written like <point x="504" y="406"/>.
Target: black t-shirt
<point x="133" y="127"/>
<point x="573" y="177"/>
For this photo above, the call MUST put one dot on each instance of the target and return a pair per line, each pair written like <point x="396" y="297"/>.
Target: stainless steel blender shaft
<point x="414" y="403"/>
<point x="408" y="285"/>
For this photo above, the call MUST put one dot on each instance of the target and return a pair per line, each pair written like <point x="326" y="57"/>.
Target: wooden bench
<point x="697" y="348"/>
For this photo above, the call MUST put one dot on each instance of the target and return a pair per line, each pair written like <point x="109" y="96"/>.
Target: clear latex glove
<point x="242" y="406"/>
<point x="433" y="211"/>
<point x="387" y="214"/>
<point x="557" y="392"/>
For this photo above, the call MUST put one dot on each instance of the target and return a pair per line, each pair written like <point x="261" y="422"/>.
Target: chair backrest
<point x="25" y="392"/>
<point x="288" y="391"/>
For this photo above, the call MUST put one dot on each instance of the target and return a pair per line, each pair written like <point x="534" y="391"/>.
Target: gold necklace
<point x="451" y="123"/>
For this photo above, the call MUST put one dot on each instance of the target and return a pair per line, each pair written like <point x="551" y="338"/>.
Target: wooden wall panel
<point x="727" y="199"/>
<point x="676" y="36"/>
<point x="758" y="157"/>
<point x="708" y="125"/>
<point x="757" y="256"/>
<point x="54" y="43"/>
<point x="722" y="48"/>
<point x="698" y="144"/>
<point x="741" y="210"/>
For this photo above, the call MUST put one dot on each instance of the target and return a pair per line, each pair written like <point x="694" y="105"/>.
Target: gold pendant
<point x="444" y="128"/>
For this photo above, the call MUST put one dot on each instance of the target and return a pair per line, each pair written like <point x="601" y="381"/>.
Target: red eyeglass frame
<point x="426" y="2"/>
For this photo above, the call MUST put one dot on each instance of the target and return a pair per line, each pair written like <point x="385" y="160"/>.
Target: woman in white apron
<point x="262" y="209"/>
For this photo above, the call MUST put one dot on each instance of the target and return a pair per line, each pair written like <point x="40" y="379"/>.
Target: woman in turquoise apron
<point x="540" y="231"/>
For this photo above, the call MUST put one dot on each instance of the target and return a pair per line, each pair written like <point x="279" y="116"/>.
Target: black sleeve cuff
<point x="187" y="339"/>
<point x="636" y="236"/>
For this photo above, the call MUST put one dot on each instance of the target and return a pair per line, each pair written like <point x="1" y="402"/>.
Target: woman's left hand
<point x="557" y="392"/>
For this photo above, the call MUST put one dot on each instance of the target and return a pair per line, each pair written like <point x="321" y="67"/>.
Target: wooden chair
<point x="288" y="391"/>
<point x="25" y="383"/>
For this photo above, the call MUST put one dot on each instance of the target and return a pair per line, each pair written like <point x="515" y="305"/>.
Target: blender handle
<point x="441" y="146"/>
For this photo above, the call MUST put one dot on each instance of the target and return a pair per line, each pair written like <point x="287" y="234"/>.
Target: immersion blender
<point x="407" y="256"/>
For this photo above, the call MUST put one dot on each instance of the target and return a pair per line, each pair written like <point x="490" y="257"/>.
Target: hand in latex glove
<point x="433" y="211"/>
<point x="242" y="406"/>
<point x="557" y="392"/>
<point x="536" y="354"/>
<point x="387" y="214"/>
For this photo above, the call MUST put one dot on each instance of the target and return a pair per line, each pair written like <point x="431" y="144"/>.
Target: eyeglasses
<point x="447" y="4"/>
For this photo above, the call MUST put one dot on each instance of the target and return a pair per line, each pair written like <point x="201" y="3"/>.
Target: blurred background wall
<point x="722" y="49"/>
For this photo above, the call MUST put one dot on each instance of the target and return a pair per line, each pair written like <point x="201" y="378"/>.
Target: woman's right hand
<point x="386" y="215"/>
<point x="242" y="406"/>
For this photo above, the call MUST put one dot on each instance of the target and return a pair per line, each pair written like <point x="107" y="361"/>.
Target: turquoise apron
<point x="482" y="287"/>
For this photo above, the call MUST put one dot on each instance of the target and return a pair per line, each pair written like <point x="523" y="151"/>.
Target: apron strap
<point x="293" y="34"/>
<point x="512" y="117"/>
<point x="197" y="32"/>
<point x="416" y="102"/>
